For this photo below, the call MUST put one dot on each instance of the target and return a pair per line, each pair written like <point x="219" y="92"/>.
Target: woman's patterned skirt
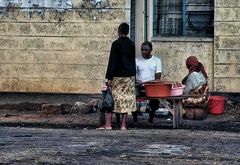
<point x="123" y="91"/>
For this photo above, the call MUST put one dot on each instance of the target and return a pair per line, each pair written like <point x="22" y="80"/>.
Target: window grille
<point x="133" y="20"/>
<point x="183" y="18"/>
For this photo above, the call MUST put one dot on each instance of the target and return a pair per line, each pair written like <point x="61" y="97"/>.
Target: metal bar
<point x="145" y="20"/>
<point x="184" y="17"/>
<point x="156" y="24"/>
<point x="133" y="20"/>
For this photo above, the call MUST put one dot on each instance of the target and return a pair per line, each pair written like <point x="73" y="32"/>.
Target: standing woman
<point x="120" y="75"/>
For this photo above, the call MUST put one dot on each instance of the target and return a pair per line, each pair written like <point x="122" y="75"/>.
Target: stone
<point x="80" y="108"/>
<point x="51" y="109"/>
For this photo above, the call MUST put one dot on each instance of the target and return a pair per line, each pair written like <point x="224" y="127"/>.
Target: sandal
<point x="108" y="128"/>
<point x="100" y="128"/>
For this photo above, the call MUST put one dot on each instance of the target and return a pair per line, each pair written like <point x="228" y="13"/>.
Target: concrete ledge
<point x="60" y="98"/>
<point x="68" y="98"/>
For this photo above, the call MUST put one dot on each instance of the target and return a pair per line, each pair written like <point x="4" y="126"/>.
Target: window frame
<point x="184" y="26"/>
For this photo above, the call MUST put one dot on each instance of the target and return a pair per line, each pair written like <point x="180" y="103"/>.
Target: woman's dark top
<point x="122" y="59"/>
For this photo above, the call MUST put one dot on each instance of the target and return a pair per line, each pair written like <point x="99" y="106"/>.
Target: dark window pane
<point x="200" y="23"/>
<point x="198" y="16"/>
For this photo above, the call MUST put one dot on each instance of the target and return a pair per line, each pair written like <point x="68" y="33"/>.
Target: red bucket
<point x="216" y="105"/>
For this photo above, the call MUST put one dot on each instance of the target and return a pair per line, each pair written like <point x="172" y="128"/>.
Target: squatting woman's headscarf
<point x="194" y="65"/>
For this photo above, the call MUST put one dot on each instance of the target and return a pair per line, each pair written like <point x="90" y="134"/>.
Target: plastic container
<point x="162" y="112"/>
<point x="103" y="86"/>
<point x="216" y="105"/>
<point x="158" y="89"/>
<point x="177" y="91"/>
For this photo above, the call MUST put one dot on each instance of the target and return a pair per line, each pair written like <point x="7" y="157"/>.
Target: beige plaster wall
<point x="174" y="54"/>
<point x="227" y="46"/>
<point x="62" y="52"/>
<point x="139" y="26"/>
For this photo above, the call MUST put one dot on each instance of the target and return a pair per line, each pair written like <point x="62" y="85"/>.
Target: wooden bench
<point x="176" y="111"/>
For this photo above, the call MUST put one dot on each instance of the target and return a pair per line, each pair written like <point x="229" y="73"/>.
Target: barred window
<point x="183" y="18"/>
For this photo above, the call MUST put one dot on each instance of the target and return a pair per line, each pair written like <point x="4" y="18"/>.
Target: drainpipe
<point x="145" y="20"/>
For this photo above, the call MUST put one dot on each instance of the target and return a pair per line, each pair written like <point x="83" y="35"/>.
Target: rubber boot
<point x="154" y="105"/>
<point x="151" y="116"/>
<point x="135" y="115"/>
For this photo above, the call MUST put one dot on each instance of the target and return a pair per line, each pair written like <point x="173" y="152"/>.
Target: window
<point x="133" y="20"/>
<point x="62" y="4"/>
<point x="183" y="18"/>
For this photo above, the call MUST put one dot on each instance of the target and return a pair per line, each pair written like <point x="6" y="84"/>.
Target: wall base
<point x="52" y="98"/>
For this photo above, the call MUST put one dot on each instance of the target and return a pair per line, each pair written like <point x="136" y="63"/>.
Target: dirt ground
<point x="37" y="146"/>
<point x="29" y="138"/>
<point x="29" y="115"/>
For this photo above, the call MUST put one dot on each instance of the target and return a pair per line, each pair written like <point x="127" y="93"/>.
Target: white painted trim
<point x="181" y="39"/>
<point x="150" y="20"/>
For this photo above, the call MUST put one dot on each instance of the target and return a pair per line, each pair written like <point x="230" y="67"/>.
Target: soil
<point x="21" y="146"/>
<point x="29" y="115"/>
<point x="214" y="140"/>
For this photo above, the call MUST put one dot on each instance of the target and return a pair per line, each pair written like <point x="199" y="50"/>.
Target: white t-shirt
<point x="147" y="68"/>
